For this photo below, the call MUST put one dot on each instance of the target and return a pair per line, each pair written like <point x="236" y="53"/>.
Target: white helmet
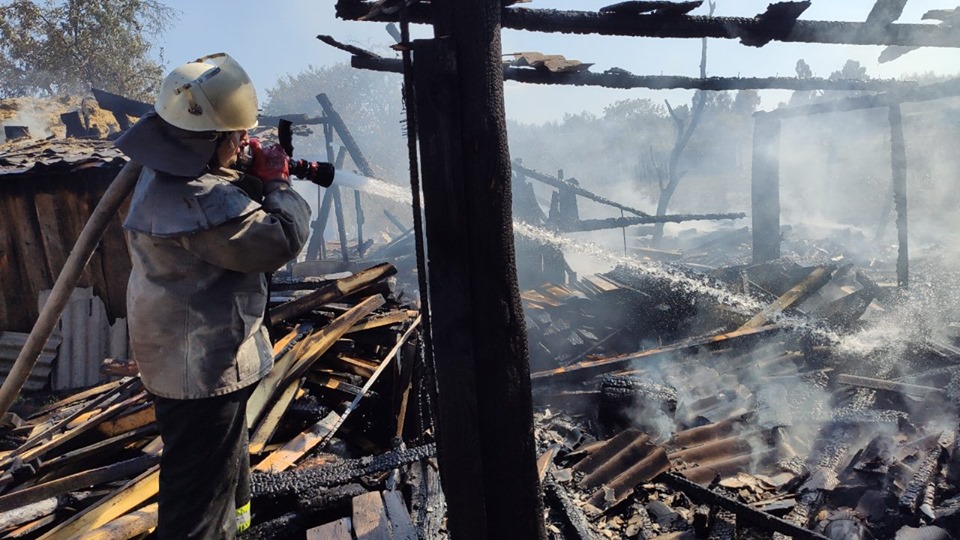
<point x="212" y="93"/>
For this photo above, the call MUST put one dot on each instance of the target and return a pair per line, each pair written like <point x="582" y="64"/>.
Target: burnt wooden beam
<point x="751" y="30"/>
<point x="61" y="486"/>
<point x="333" y="117"/>
<point x="589" y="368"/>
<point x="898" y="171"/>
<point x="745" y="514"/>
<point x="765" y="188"/>
<point x="615" y="78"/>
<point x="618" y="222"/>
<point x="885" y="12"/>
<point x="889" y="386"/>
<point x="485" y="432"/>
<point x="927" y="92"/>
<point x="560" y="183"/>
<point x="813" y="282"/>
<point x="331" y="292"/>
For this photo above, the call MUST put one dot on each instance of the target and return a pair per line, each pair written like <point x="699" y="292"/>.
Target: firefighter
<point x="202" y="237"/>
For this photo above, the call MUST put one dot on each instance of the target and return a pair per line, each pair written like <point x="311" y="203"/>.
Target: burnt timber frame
<point x="489" y="471"/>
<point x="485" y="411"/>
<point x="766" y="164"/>
<point x="689" y="26"/>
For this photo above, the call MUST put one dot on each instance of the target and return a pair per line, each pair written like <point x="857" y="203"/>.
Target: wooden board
<point x="118" y="503"/>
<point x="268" y="425"/>
<point x="336" y="530"/>
<point x="370" y="517"/>
<point x="399" y="517"/>
<point x="289" y="453"/>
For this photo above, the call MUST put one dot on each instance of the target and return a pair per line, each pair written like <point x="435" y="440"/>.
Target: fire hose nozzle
<point x="319" y="172"/>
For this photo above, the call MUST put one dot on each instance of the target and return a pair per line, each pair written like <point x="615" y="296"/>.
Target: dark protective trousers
<point x="205" y="466"/>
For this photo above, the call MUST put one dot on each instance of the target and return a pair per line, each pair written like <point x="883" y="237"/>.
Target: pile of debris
<point x="754" y="400"/>
<point x="330" y="414"/>
<point x="675" y="405"/>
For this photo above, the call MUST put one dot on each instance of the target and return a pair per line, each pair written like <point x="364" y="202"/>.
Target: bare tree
<point x="669" y="177"/>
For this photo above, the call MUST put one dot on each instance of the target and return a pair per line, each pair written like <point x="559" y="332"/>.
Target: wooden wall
<point x="42" y="212"/>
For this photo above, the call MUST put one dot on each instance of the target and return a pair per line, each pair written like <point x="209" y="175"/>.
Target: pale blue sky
<point x="272" y="40"/>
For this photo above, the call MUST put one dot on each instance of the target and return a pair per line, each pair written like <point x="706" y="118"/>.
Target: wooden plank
<point x="50" y="233"/>
<point x="384" y="319"/>
<point x="80" y="396"/>
<point x="85" y="479"/>
<point x="589" y="368"/>
<point x="133" y="419"/>
<point x="117" y="503"/>
<point x="102" y="447"/>
<point x="331" y="333"/>
<point x="65" y="437"/>
<point x="27" y="513"/>
<point x="370" y="517"/>
<point x="29" y="528"/>
<point x="282" y="458"/>
<point x="357" y="366"/>
<point x="285" y="352"/>
<point x="814" y="281"/>
<point x="332" y="292"/>
<point x="398" y="516"/>
<point x="126" y="526"/>
<point x="268" y="426"/>
<point x="341" y="529"/>
<point x="28" y="257"/>
<point x="36" y="439"/>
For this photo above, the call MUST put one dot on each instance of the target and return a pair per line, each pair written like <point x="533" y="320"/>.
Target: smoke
<point x="41" y="117"/>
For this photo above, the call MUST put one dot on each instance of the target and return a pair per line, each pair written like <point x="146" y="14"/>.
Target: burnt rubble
<point x="840" y="422"/>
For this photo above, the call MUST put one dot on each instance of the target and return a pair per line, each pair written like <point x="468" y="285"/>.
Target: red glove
<point x="269" y="164"/>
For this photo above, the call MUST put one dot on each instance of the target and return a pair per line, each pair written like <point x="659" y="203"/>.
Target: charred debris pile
<point x="754" y="401"/>
<point x="332" y="423"/>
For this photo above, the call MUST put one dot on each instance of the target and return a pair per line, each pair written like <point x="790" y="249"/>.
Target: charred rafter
<point x="623" y="79"/>
<point x="585" y="225"/>
<point x="752" y="30"/>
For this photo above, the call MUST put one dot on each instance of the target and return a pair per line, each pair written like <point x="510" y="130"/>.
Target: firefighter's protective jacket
<point x="197" y="291"/>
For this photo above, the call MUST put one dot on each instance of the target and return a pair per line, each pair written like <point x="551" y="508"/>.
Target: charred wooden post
<point x="341" y="224"/>
<point x="765" y="188"/>
<point x="898" y="167"/>
<point x="485" y="431"/>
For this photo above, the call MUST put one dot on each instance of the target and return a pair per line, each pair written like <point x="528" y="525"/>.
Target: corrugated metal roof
<point x="11" y="343"/>
<point x="20" y="156"/>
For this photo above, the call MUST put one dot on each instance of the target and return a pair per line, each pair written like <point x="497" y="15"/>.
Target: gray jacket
<point x="197" y="290"/>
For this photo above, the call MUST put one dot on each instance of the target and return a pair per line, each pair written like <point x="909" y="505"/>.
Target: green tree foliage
<point x="68" y="46"/>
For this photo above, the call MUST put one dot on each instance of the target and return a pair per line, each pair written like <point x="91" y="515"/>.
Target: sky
<point x="277" y="39"/>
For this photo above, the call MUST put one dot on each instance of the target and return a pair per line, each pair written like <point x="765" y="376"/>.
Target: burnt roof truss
<point x="780" y="22"/>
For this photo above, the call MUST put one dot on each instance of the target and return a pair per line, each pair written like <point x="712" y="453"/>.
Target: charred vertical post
<point x="765" y="188"/>
<point x="341" y="224"/>
<point x="333" y="118"/>
<point x="898" y="169"/>
<point x="485" y="432"/>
